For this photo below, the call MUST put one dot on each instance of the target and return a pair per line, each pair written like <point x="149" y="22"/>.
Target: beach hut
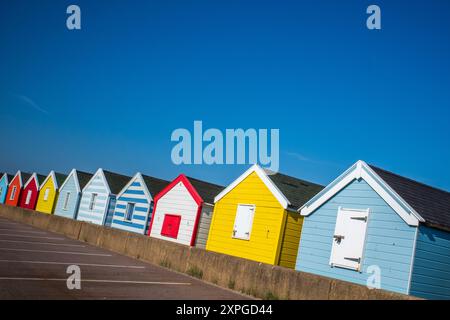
<point x="98" y="198"/>
<point x="135" y="203"/>
<point x="4" y="183"/>
<point x="256" y="217"/>
<point x="15" y="188"/>
<point x="30" y="192"/>
<point x="70" y="193"/>
<point x="371" y="226"/>
<point x="183" y="211"/>
<point x="49" y="191"/>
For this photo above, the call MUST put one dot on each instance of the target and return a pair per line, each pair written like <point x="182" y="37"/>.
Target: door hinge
<point x="359" y="218"/>
<point x="353" y="259"/>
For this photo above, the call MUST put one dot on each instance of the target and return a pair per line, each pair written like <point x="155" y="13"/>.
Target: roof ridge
<point x="106" y="172"/>
<point x="268" y="172"/>
<point x="83" y="172"/>
<point x="410" y="179"/>
<point x="147" y="176"/>
<point x="211" y="183"/>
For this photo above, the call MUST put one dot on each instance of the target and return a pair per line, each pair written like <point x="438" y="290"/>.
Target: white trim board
<point x="137" y="176"/>
<point x="361" y="170"/>
<point x="265" y="179"/>
<point x="20" y="178"/>
<point x="77" y="183"/>
<point x="53" y="176"/>
<point x="413" y="256"/>
<point x="102" y="175"/>
<point x="33" y="176"/>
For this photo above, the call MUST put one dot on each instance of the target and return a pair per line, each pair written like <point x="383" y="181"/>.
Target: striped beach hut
<point x="135" y="203"/>
<point x="30" y="191"/>
<point x="374" y="227"/>
<point x="49" y="191"/>
<point x="98" y="198"/>
<point x="4" y="183"/>
<point x="15" y="188"/>
<point x="183" y="211"/>
<point x="70" y="193"/>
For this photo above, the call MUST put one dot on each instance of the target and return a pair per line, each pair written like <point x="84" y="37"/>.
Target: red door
<point x="171" y="225"/>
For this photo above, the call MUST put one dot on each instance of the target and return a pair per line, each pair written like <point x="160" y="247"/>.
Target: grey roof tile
<point x="116" y="181"/>
<point x="208" y="191"/>
<point x="154" y="185"/>
<point x="297" y="191"/>
<point x="431" y="203"/>
<point x="83" y="178"/>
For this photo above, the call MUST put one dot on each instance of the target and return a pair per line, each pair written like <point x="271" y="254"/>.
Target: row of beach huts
<point x="368" y="225"/>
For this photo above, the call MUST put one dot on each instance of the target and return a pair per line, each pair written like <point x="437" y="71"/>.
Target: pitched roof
<point x="60" y="178"/>
<point x="115" y="181"/>
<point x="431" y="203"/>
<point x="154" y="185"/>
<point x="205" y="189"/>
<point x="83" y="178"/>
<point x="26" y="176"/>
<point x="40" y="178"/>
<point x="297" y="191"/>
<point x="9" y="176"/>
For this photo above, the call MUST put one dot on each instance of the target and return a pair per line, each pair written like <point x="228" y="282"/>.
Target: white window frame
<point x="125" y="216"/>
<point x="28" y="198"/>
<point x="13" y="193"/>
<point x="92" y="201"/>
<point x="46" y="194"/>
<point x="66" y="201"/>
<point x="234" y="236"/>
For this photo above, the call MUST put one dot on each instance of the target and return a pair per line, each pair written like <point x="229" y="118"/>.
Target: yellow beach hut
<point x="49" y="191"/>
<point x="256" y="217"/>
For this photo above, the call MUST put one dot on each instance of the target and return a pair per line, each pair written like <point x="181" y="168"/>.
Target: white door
<point x="349" y="238"/>
<point x="243" y="222"/>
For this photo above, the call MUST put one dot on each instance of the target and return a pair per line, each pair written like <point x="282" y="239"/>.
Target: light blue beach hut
<point x="5" y="179"/>
<point x="376" y="228"/>
<point x="70" y="193"/>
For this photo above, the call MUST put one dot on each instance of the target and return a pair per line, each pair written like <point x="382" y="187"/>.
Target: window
<point x="66" y="201"/>
<point x="171" y="225"/>
<point x="92" y="203"/>
<point x="28" y="199"/>
<point x="244" y="221"/>
<point x="349" y="238"/>
<point x="46" y="193"/>
<point x="129" y="211"/>
<point x="1" y="190"/>
<point x="13" y="193"/>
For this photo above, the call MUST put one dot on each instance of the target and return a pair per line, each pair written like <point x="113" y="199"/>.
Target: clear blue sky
<point x="110" y="94"/>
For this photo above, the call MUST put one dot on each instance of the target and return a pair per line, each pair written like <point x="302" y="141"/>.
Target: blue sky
<point x="111" y="94"/>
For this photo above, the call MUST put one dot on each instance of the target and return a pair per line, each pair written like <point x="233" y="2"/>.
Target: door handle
<point x="338" y="238"/>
